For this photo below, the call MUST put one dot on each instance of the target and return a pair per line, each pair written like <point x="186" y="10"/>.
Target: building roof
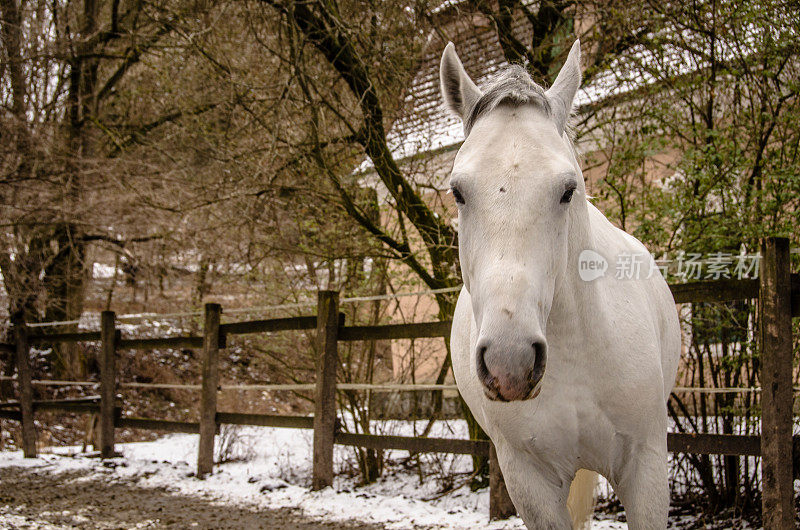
<point x="426" y="125"/>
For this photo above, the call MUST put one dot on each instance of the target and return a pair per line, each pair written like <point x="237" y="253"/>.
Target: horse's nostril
<point x="540" y="361"/>
<point x="508" y="371"/>
<point x="483" y="371"/>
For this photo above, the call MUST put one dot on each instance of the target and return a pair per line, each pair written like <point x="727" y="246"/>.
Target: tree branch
<point x="322" y="30"/>
<point x="132" y="56"/>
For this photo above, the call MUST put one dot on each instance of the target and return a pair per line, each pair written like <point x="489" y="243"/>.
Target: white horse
<point x="564" y="371"/>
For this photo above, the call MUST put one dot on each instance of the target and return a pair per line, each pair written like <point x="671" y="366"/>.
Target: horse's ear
<point x="562" y="93"/>
<point x="458" y="91"/>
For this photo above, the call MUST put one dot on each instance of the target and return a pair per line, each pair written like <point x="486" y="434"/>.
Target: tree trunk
<point x="64" y="283"/>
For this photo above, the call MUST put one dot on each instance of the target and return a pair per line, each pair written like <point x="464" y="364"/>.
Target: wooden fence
<point x="778" y="292"/>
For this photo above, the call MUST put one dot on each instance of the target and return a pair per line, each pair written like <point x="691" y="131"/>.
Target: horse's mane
<point x="513" y="86"/>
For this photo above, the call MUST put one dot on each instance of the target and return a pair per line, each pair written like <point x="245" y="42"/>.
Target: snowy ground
<point x="274" y="476"/>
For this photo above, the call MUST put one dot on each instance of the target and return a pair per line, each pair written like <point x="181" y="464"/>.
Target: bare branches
<point x="139" y="132"/>
<point x="321" y="27"/>
<point x="132" y="56"/>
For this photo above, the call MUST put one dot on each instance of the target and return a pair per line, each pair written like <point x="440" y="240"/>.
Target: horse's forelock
<point x="513" y="86"/>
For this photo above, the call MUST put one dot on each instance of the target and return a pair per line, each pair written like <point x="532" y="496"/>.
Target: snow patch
<point x="278" y="476"/>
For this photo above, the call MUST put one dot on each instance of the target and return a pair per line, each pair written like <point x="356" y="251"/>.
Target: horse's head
<point x="516" y="182"/>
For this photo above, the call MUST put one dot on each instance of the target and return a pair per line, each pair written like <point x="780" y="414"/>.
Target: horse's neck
<point x="577" y="304"/>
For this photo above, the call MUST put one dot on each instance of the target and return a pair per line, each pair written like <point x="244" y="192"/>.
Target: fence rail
<point x="372" y="387"/>
<point x="710" y="291"/>
<point x="777" y="291"/>
<point x="709" y="444"/>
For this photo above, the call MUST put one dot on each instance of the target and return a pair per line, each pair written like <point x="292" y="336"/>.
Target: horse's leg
<point x="540" y="500"/>
<point x="644" y="491"/>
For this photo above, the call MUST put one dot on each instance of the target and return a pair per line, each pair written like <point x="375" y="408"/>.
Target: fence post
<point x="108" y="382"/>
<point x="325" y="393"/>
<point x="23" y="357"/>
<point x="210" y="384"/>
<point x="776" y="384"/>
<point x="500" y="505"/>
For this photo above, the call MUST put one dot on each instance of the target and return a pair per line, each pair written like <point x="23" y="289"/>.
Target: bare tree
<point x="64" y="66"/>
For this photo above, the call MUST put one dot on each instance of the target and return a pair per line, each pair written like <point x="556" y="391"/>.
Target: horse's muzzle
<point x="511" y="373"/>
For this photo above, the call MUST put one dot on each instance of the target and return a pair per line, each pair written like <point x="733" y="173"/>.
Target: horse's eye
<point x="457" y="195"/>
<point x="567" y="196"/>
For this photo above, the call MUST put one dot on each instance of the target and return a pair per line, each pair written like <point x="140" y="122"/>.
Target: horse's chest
<point x="566" y="424"/>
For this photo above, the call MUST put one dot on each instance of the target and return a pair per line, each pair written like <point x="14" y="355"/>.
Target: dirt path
<point x="78" y="500"/>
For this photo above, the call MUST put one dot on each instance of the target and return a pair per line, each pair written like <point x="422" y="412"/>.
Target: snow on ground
<point x="276" y="474"/>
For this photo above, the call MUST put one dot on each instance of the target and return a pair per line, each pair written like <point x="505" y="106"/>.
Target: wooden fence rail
<point x="777" y="290"/>
<point x="691" y="292"/>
